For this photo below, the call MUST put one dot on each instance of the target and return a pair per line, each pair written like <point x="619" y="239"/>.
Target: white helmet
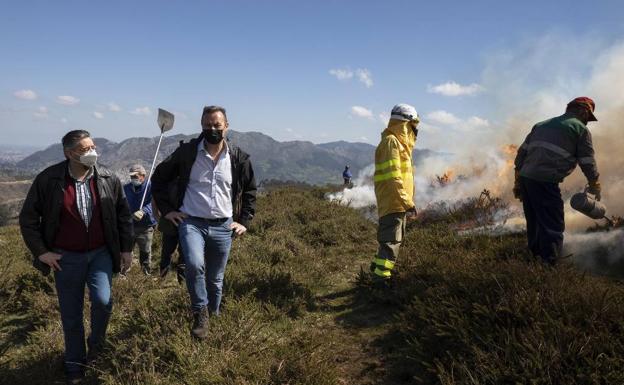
<point x="404" y="112"/>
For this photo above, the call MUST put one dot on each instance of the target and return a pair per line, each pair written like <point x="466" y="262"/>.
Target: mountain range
<point x="300" y="161"/>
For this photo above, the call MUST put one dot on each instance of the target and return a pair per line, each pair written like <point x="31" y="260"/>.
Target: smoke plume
<point x="526" y="85"/>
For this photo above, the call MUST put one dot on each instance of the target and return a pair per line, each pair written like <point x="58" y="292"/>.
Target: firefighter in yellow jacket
<point x="394" y="186"/>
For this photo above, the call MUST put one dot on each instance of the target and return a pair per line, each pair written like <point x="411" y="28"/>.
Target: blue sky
<point x="318" y="71"/>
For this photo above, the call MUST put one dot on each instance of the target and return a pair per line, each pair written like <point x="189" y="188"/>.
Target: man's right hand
<point x="51" y="259"/>
<point x="176" y="217"/>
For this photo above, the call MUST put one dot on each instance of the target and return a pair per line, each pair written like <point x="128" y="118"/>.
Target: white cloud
<point x="341" y="74"/>
<point x="363" y="139"/>
<point x="455" y="89"/>
<point x="289" y="130"/>
<point x="63" y="120"/>
<point x="25" y="94"/>
<point x="361" y="112"/>
<point x="42" y="112"/>
<point x="443" y="117"/>
<point x="98" y="115"/>
<point x="384" y="117"/>
<point x="475" y="122"/>
<point x="67" y="100"/>
<point x="141" y="111"/>
<point x="364" y="76"/>
<point x="113" y="107"/>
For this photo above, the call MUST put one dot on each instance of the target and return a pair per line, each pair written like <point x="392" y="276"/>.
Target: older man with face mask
<point x="215" y="201"/>
<point x="142" y="216"/>
<point x="75" y="221"/>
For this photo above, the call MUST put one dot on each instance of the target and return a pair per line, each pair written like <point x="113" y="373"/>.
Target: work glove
<point x="595" y="189"/>
<point x="138" y="215"/>
<point x="517" y="190"/>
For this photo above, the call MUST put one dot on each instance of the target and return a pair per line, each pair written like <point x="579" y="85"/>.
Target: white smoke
<point x="525" y="85"/>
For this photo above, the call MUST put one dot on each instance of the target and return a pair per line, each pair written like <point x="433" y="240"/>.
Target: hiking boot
<point x="146" y="270"/>
<point x="200" y="324"/>
<point x="93" y="352"/>
<point x="74" y="378"/>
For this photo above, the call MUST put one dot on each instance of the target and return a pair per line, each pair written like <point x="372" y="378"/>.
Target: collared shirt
<point x="209" y="191"/>
<point x="83" y="195"/>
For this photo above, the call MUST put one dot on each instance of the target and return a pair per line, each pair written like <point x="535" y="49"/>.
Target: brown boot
<point x="200" y="324"/>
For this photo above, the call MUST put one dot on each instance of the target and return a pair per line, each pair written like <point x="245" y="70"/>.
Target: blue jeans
<point x="94" y="269"/>
<point x="206" y="247"/>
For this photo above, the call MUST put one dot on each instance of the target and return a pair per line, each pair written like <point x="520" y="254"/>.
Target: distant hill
<point x="292" y="160"/>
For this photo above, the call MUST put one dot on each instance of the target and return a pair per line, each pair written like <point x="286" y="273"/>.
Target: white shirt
<point x="209" y="191"/>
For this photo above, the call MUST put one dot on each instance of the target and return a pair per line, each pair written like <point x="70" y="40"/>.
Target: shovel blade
<point x="165" y="120"/>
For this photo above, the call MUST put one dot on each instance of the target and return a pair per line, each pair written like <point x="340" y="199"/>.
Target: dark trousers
<point x="169" y="246"/>
<point x="543" y="210"/>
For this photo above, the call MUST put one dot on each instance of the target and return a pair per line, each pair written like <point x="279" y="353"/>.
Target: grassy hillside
<point x="300" y="310"/>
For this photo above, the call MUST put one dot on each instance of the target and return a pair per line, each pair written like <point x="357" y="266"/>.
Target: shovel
<point x="165" y="123"/>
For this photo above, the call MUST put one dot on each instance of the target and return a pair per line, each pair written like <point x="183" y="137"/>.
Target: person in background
<point x="346" y="176"/>
<point x="550" y="153"/>
<point x="143" y="217"/>
<point x="75" y="221"/>
<point x="169" y="241"/>
<point x="394" y="187"/>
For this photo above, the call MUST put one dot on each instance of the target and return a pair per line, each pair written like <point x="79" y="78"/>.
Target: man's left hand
<point x="238" y="228"/>
<point x="126" y="262"/>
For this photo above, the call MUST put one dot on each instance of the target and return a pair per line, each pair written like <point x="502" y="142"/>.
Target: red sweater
<point x="73" y="234"/>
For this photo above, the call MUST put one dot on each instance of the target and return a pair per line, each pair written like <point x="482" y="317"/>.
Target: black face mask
<point x="213" y="136"/>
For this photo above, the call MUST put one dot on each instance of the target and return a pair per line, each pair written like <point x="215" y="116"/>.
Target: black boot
<point x="200" y="324"/>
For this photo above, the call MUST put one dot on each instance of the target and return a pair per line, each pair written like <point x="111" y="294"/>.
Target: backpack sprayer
<point x="584" y="203"/>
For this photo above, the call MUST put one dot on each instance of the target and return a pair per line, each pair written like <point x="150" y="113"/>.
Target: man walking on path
<point x="75" y="221"/>
<point x="394" y="187"/>
<point x="549" y="154"/>
<point x="216" y="200"/>
<point x="142" y="217"/>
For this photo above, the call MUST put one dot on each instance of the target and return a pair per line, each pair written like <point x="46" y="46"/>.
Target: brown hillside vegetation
<point x="300" y="309"/>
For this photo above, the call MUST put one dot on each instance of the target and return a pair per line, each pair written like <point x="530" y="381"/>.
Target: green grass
<point x="299" y="308"/>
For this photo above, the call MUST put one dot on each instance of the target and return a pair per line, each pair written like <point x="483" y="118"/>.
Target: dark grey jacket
<point x="178" y="166"/>
<point x="553" y="149"/>
<point x="40" y="215"/>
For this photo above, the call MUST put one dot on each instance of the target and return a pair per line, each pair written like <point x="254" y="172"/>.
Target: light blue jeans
<point x="95" y="270"/>
<point x="206" y="246"/>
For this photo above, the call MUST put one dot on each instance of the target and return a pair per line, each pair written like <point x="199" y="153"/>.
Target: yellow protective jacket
<point x="394" y="176"/>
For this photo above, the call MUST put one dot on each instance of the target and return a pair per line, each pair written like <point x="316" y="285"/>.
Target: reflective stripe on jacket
<point x="553" y="149"/>
<point x="394" y="177"/>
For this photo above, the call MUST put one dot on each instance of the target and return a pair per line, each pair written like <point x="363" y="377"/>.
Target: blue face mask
<point x="135" y="182"/>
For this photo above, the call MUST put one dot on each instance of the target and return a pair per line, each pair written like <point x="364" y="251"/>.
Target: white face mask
<point x="89" y="158"/>
<point x="135" y="182"/>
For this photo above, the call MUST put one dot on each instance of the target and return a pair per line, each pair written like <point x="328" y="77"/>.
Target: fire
<point x="444" y="179"/>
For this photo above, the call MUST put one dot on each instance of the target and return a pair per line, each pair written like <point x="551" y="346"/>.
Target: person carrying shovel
<point x="550" y="153"/>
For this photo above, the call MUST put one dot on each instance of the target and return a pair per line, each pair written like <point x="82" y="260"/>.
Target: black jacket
<point x="40" y="215"/>
<point x="178" y="166"/>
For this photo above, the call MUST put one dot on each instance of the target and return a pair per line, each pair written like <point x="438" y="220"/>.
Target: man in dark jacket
<point x="75" y="220"/>
<point x="142" y="215"/>
<point x="215" y="201"/>
<point x="549" y="154"/>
